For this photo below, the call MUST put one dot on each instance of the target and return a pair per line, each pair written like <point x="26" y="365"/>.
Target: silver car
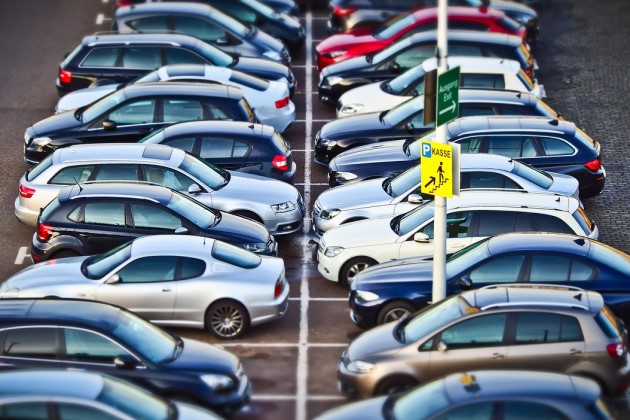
<point x="170" y="280"/>
<point x="382" y="197"/>
<point x="276" y="204"/>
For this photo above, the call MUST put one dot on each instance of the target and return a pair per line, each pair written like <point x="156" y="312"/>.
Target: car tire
<point x="65" y="253"/>
<point x="227" y="319"/>
<point x="248" y="215"/>
<point x="394" y="311"/>
<point x="352" y="267"/>
<point x="395" y="384"/>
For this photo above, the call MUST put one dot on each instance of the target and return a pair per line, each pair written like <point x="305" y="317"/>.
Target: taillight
<point x="280" y="162"/>
<point x="277" y="291"/>
<point x="44" y="232"/>
<point x="26" y="192"/>
<point x="616" y="350"/>
<point x="282" y="103"/>
<point x="65" y="76"/>
<point x="594" y="165"/>
<point x="343" y="11"/>
<point x="122" y="3"/>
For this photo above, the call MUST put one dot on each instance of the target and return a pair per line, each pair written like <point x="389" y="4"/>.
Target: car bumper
<point x="352" y="385"/>
<point x="280" y="119"/>
<point x="275" y="310"/>
<point x="322" y="225"/>
<point x="229" y="403"/>
<point x="325" y="153"/>
<point x="591" y="184"/>
<point x="330" y="94"/>
<point x="329" y="267"/>
<point x="364" y="316"/>
<point x="25" y="215"/>
<point x="285" y="223"/>
<point x="41" y="251"/>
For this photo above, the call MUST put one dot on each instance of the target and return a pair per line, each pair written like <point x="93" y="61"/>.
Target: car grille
<point x="317" y="208"/>
<point x="322" y="245"/>
<point x="300" y="203"/>
<point x="344" y="358"/>
<point x="270" y="242"/>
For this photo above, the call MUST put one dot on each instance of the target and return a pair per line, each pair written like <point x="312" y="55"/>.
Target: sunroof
<point x="157" y="151"/>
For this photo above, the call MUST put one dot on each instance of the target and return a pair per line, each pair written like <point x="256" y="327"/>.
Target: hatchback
<point x="535" y="327"/>
<point x="203" y="22"/>
<point x="81" y="334"/>
<point x="131" y="113"/>
<point x="92" y="218"/>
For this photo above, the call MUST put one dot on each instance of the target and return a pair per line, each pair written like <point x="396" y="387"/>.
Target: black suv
<point x="92" y="218"/>
<point x="237" y="146"/>
<point x="122" y="57"/>
<point x="78" y="334"/>
<point x="129" y="114"/>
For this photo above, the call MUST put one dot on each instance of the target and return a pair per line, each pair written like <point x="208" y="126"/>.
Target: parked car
<point x="92" y="218"/>
<point x="236" y="146"/>
<point x="203" y="22"/>
<point x="73" y="334"/>
<point x="290" y="7"/>
<point x="551" y="328"/>
<point x="352" y="14"/>
<point x="57" y="393"/>
<point x="402" y="287"/>
<point x="475" y="73"/>
<point x="277" y="205"/>
<point x="348" y="249"/>
<point x="131" y="113"/>
<point x="548" y="144"/>
<point x="406" y="121"/>
<point x="119" y="58"/>
<point x="170" y="280"/>
<point x="399" y="57"/>
<point x="270" y="100"/>
<point x="366" y="40"/>
<point x="513" y="393"/>
<point x="382" y="197"/>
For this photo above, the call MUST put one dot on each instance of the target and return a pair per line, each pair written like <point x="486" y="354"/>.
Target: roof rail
<point x="534" y="286"/>
<point x="533" y="303"/>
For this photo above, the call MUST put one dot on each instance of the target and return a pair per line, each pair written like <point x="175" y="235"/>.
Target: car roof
<point x="497" y="96"/>
<point x="513" y="199"/>
<point x="239" y="128"/>
<point x="459" y="11"/>
<point x="532" y="241"/>
<point x="166" y="7"/>
<point x="468" y="36"/>
<point x="137" y="38"/>
<point x="136" y="190"/>
<point x="498" y="123"/>
<point x="486" y="161"/>
<point x="51" y="383"/>
<point x="183" y="89"/>
<point x="193" y="70"/>
<point x="188" y="245"/>
<point x="475" y="64"/>
<point x="120" y="152"/>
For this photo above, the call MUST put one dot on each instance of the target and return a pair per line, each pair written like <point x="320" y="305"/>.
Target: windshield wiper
<point x="369" y="57"/>
<point x="179" y="347"/>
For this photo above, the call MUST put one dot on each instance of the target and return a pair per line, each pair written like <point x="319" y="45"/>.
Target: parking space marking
<point x="320" y="184"/>
<point x="105" y="1"/>
<point x="21" y="255"/>
<point x="324" y="299"/>
<point x="292" y="397"/>
<point x="313" y="120"/>
<point x="100" y="18"/>
<point x="282" y="345"/>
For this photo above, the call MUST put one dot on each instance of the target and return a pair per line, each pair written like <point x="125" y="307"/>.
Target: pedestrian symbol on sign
<point x="436" y="169"/>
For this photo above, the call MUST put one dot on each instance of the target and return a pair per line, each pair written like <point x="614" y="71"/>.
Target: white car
<point x="474" y="215"/>
<point x="475" y="73"/>
<point x="383" y="197"/>
<point x="269" y="99"/>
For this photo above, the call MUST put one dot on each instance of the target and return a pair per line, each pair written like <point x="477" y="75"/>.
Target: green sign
<point x="448" y="96"/>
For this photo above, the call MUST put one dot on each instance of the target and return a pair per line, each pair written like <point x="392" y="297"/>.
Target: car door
<point x="128" y="122"/>
<point x="501" y="269"/>
<point x="195" y="290"/>
<point x="101" y="225"/>
<point x="29" y="347"/>
<point x="146" y="286"/>
<point x="134" y="59"/>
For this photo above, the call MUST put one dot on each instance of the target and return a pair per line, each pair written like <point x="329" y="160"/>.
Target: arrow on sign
<point x="448" y="109"/>
<point x="430" y="182"/>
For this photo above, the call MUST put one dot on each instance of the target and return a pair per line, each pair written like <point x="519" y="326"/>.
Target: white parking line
<point x="323" y="299"/>
<point x="313" y="183"/>
<point x="292" y="397"/>
<point x="100" y="18"/>
<point x="22" y="255"/>
<point x="282" y="345"/>
<point x="325" y="120"/>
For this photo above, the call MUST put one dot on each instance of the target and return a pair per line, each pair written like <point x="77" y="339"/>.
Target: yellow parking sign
<point x="436" y="168"/>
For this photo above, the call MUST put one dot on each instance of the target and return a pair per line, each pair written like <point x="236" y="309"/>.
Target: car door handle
<point x="498" y="356"/>
<point x="573" y="352"/>
<point x="166" y="289"/>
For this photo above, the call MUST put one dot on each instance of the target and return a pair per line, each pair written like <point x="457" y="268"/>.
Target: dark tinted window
<point x="198" y="28"/>
<point x="482" y="81"/>
<point x="182" y="56"/>
<point x="487" y="180"/>
<point x="512" y="146"/>
<point x="474" y="110"/>
<point x="540" y="327"/>
<point x="149" y="270"/>
<point x="112" y="214"/>
<point x="24" y="411"/>
<point x="455" y="49"/>
<point x="151" y="217"/>
<point x="584" y="221"/>
<point x="481" y="331"/>
<point x="471" y="144"/>
<point x="216" y="148"/>
<point x="72" y="175"/>
<point x="530" y="410"/>
<point x="280" y="143"/>
<point x="415" y="55"/>
<point x="50" y="209"/>
<point x="38" y="343"/>
<point x="167" y="177"/>
<point x="191" y="268"/>
<point x="101" y="57"/>
<point x="467" y="26"/>
<point x="86" y="346"/>
<point x="185" y="143"/>
<point x="135" y="112"/>
<point x="142" y="57"/>
<point x="495" y="222"/>
<point x="555" y="147"/>
<point x="547" y="223"/>
<point x="69" y="411"/>
<point x="505" y="269"/>
<point x="477" y="410"/>
<point x="609" y="323"/>
<point x="176" y="110"/>
<point x="217" y="113"/>
<point x="123" y="172"/>
<point x="457" y="225"/>
<point x="150" y="24"/>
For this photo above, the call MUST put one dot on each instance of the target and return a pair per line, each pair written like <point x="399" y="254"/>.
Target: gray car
<point x="170" y="280"/>
<point x="276" y="204"/>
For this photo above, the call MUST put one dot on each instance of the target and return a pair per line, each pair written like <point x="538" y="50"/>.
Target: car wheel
<point x="395" y="384"/>
<point x="354" y="267"/>
<point x="66" y="253"/>
<point x="227" y="319"/>
<point x="248" y="214"/>
<point x="394" y="311"/>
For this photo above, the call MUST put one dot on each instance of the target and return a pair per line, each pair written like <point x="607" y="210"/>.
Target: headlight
<point x="218" y="382"/>
<point x="326" y="142"/>
<point x="333" y="251"/>
<point x="345" y="176"/>
<point x="11" y="293"/>
<point x="283" y="207"/>
<point x="255" y="247"/>
<point x="329" y="214"/>
<point x="334" y="54"/>
<point x="26" y="138"/>
<point x="333" y="80"/>
<point x="40" y="141"/>
<point x="360" y="367"/>
<point x="352" y="108"/>
<point x="274" y="55"/>
<point x="366" y="296"/>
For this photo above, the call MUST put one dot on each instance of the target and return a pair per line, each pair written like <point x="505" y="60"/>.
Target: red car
<point x="364" y="40"/>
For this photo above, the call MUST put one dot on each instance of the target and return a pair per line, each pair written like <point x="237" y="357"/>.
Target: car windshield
<point x="150" y="341"/>
<point x="403" y="111"/>
<point x="432" y="318"/>
<point x="466" y="257"/>
<point x="102" y="106"/>
<point x="151" y="77"/>
<point x="611" y="256"/>
<point x="214" y="177"/>
<point x="155" y="137"/>
<point x="388" y="52"/>
<point x="193" y="210"/>
<point x="261" y="8"/>
<point x="412" y="146"/>
<point x="533" y="175"/>
<point x="400" y="184"/>
<point x="97" y="266"/>
<point x="133" y="400"/>
<point x="409" y="221"/>
<point x="433" y="399"/>
<point x="215" y="55"/>
<point x="399" y="84"/>
<point x="229" y="23"/>
<point x="394" y="25"/>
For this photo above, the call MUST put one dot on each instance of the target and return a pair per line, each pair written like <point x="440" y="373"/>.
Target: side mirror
<point x="222" y="41"/>
<point x="125" y="362"/>
<point x="415" y="199"/>
<point x="394" y="67"/>
<point x="422" y="238"/>
<point x="181" y="230"/>
<point x="113" y="279"/>
<point x="409" y="128"/>
<point x="194" y="189"/>
<point x="464" y="282"/>
<point x="442" y="346"/>
<point x="109" y="125"/>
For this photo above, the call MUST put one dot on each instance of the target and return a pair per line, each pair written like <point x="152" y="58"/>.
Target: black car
<point x="238" y="146"/>
<point x="80" y="334"/>
<point x="386" y="292"/>
<point x="129" y="114"/>
<point x="405" y="122"/>
<point x="352" y="14"/>
<point x="552" y="145"/>
<point x="401" y="56"/>
<point x="121" y="58"/>
<point x="288" y="7"/>
<point x="92" y="218"/>
<point x="204" y="22"/>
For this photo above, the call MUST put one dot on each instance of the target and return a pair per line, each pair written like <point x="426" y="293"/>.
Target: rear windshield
<point x="50" y="208"/>
<point x="152" y="77"/>
<point x="584" y="221"/>
<point x="280" y="143"/>
<point x="545" y="110"/>
<point x="394" y="25"/>
<point x="533" y="175"/>
<point x="524" y="57"/>
<point x="234" y="255"/>
<point x="249" y="81"/>
<point x="34" y="172"/>
<point x="247" y="110"/>
<point x="509" y="23"/>
<point x="612" y="256"/>
<point x="526" y="80"/>
<point x="609" y="323"/>
<point x="71" y="56"/>
<point x="583" y="137"/>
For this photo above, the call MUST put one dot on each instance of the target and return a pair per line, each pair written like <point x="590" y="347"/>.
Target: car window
<point x="238" y="11"/>
<point x="215" y="148"/>
<point x="474" y="110"/>
<point x="559" y="269"/>
<point x="149" y="24"/>
<point x="72" y="175"/>
<point x="149" y="270"/>
<point x="484" y="330"/>
<point x="473" y="411"/>
<point x="471" y="144"/>
<point x="467" y="26"/>
<point x="457" y="225"/>
<point x="467" y="50"/>
<point x="555" y="147"/>
<point x="151" y="217"/>
<point x="504" y="269"/>
<point x="429" y="26"/>
<point x="30" y="410"/>
<point x="540" y="327"/>
<point x="142" y="57"/>
<point x="394" y="25"/>
<point x="280" y="142"/>
<point x="89" y="347"/>
<point x="135" y="112"/>
<point x="217" y="113"/>
<point x="101" y="57"/>
<point x="182" y="56"/>
<point x="512" y="146"/>
<point x="478" y="179"/>
<point x="36" y="343"/>
<point x="114" y="172"/>
<point x="494" y="222"/>
<point x="176" y="110"/>
<point x="68" y="411"/>
<point x="184" y="143"/>
<point x="167" y="177"/>
<point x="414" y="56"/>
<point x="191" y="268"/>
<point x="530" y="410"/>
<point x="199" y="28"/>
<point x="111" y="214"/>
<point x="482" y="81"/>
<point x="548" y="223"/>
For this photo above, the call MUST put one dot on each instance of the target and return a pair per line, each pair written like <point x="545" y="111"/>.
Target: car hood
<point x="564" y="184"/>
<point x="257" y="189"/>
<point x="376" y="341"/>
<point x="372" y="97"/>
<point x="205" y="358"/>
<point x="55" y="123"/>
<point x="353" y="124"/>
<point x="361" y="233"/>
<point x="345" y="66"/>
<point x="63" y="271"/>
<point x="371" y="154"/>
<point x="238" y="230"/>
<point x="81" y="97"/>
<point x="359" y="194"/>
<point x="345" y="41"/>
<point x="267" y="69"/>
<point x="405" y="270"/>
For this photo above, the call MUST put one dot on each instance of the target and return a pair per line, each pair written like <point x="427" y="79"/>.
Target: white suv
<point x="348" y="249"/>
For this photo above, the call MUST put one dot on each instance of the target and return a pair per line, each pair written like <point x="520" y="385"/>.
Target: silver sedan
<point x="170" y="280"/>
